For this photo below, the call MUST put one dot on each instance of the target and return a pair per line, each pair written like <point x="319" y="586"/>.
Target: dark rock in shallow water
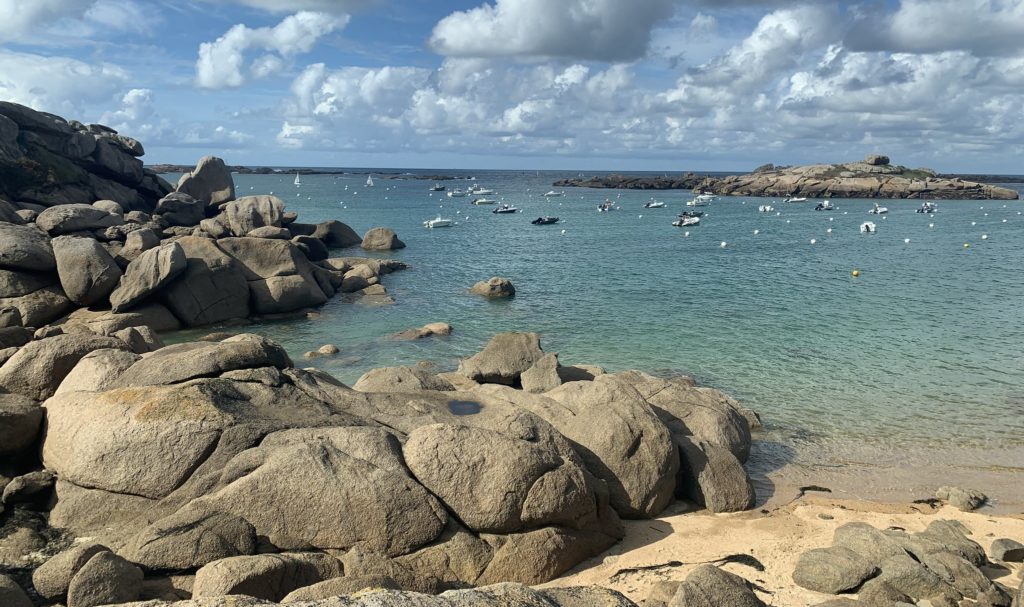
<point x="495" y="287"/>
<point x="505" y="358"/>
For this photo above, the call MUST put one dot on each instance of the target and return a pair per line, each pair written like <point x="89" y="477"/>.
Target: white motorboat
<point x="437" y="187"/>
<point x="684" y="222"/>
<point x="438" y="222"/>
<point x="484" y="200"/>
<point x="701" y="200"/>
<point x="554" y="194"/>
<point x="505" y="208"/>
<point x="795" y="199"/>
<point x="765" y="208"/>
<point x="298" y="180"/>
<point x="654" y="204"/>
<point x="927" y="207"/>
<point x="480" y="191"/>
<point x="877" y="210"/>
<point x="825" y="206"/>
<point x="456" y="194"/>
<point x="606" y="206"/>
<point x="369" y="180"/>
<point x="868" y="227"/>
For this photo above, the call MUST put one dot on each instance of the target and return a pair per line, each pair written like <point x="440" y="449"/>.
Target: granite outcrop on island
<point x="152" y="254"/>
<point x="634" y="182"/>
<point x="874" y="177"/>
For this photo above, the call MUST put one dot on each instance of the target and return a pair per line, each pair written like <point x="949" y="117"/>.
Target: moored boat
<point x="553" y="194"/>
<point x="683" y="222"/>
<point x="543" y="221"/>
<point x="654" y="204"/>
<point x="437" y="187"/>
<point x="438" y="222"/>
<point x="456" y="193"/>
<point x="484" y="200"/>
<point x="825" y="206"/>
<point x="868" y="227"/>
<point x="877" y="210"/>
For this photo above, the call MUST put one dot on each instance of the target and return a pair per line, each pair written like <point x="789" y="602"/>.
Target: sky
<point x="662" y="85"/>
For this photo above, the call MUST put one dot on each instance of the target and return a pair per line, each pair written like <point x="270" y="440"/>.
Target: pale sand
<point x="775" y="536"/>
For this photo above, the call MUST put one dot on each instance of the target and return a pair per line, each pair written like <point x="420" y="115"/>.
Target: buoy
<point x="778" y="214"/>
<point x="974" y="223"/>
<point x="984" y="236"/>
<point x="829" y="230"/>
<point x="787" y="221"/>
<point x="756" y="232"/>
<point x="967" y="245"/>
<point x="906" y="241"/>
<point x="813" y="241"/>
<point x="1004" y="221"/>
<point x="855" y="273"/>
<point x="724" y="244"/>
<point x="563" y="231"/>
<point x="931" y="225"/>
<point x="686" y="233"/>
<point x="639" y="216"/>
<point x="831" y="218"/>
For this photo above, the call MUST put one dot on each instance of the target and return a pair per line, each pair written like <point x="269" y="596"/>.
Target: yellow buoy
<point x="855" y="273"/>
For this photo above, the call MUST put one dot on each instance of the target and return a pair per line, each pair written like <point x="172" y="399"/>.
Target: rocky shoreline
<point x="874" y="177"/>
<point x="215" y="472"/>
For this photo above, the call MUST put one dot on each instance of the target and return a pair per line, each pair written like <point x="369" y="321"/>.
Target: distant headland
<point x="164" y="169"/>
<point x="873" y="177"/>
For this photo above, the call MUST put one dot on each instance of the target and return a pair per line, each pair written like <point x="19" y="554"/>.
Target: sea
<point x="883" y="386"/>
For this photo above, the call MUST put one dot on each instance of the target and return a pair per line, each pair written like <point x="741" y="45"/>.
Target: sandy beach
<point x="668" y="548"/>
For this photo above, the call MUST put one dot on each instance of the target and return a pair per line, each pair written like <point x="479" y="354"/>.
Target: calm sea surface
<point x="885" y="385"/>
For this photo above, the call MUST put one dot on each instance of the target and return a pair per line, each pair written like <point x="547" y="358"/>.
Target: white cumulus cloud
<point x="605" y="30"/>
<point x="60" y="85"/>
<point x="222" y="62"/>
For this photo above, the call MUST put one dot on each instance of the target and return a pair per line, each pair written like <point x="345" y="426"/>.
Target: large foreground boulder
<point x="181" y="209"/>
<point x="280" y="277"/>
<point x="87" y="271"/>
<point x="709" y="586"/>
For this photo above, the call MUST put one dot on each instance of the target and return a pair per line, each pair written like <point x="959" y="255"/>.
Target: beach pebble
<point x="967" y="500"/>
<point x="1007" y="550"/>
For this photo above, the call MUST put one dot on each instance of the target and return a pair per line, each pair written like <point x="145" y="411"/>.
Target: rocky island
<point x="216" y="473"/>
<point x="874" y="177"/>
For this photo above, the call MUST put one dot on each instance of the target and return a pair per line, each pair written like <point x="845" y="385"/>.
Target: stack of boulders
<point x="940" y="565"/>
<point x="215" y="468"/>
<point x="167" y="259"/>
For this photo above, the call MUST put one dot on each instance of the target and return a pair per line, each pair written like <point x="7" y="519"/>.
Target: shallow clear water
<point x="917" y="362"/>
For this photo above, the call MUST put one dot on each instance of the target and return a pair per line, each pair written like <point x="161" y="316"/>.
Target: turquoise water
<point x="918" y="362"/>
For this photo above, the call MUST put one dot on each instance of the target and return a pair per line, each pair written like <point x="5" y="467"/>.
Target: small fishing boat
<point x="369" y="180"/>
<point x="765" y="208"/>
<point x="795" y="199"/>
<point x="701" y="200"/>
<point x="606" y="206"/>
<point x="298" y="180"/>
<point x="684" y="222"/>
<point x="543" y="221"/>
<point x="505" y="208"/>
<point x="437" y="187"/>
<point x="825" y="206"/>
<point x="654" y="204"/>
<point x="927" y="207"/>
<point x="484" y="200"/>
<point x="868" y="227"/>
<point x="438" y="222"/>
<point x="456" y="194"/>
<point x="877" y="210"/>
<point x="554" y="194"/>
<point x="691" y="214"/>
<point x="479" y="190"/>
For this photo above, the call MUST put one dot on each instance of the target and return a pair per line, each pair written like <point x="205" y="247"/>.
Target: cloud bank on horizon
<point x="659" y="84"/>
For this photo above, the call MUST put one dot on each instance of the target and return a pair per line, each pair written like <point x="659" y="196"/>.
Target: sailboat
<point x="369" y="181"/>
<point x="298" y="180"/>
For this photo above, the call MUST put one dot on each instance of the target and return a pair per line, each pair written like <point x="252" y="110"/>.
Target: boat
<point x="654" y="204"/>
<point x="505" y="208"/>
<point x="438" y="222"/>
<point x="543" y="221"/>
<point x="877" y="210"/>
<point x="927" y="207"/>
<point x="437" y="187"/>
<point x="484" y="200"/>
<point x="765" y="208"/>
<point x="369" y="180"/>
<point x="683" y="222"/>
<point x="554" y="194"/>
<point x="867" y="227"/>
<point x="456" y="193"/>
<point x="701" y="200"/>
<point x="480" y="191"/>
<point x="795" y="199"/>
<point x="298" y="180"/>
<point x="606" y="206"/>
<point x="691" y="214"/>
<point x="825" y="206"/>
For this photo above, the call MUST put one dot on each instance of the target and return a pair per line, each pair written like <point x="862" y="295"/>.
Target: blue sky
<point x="666" y="85"/>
